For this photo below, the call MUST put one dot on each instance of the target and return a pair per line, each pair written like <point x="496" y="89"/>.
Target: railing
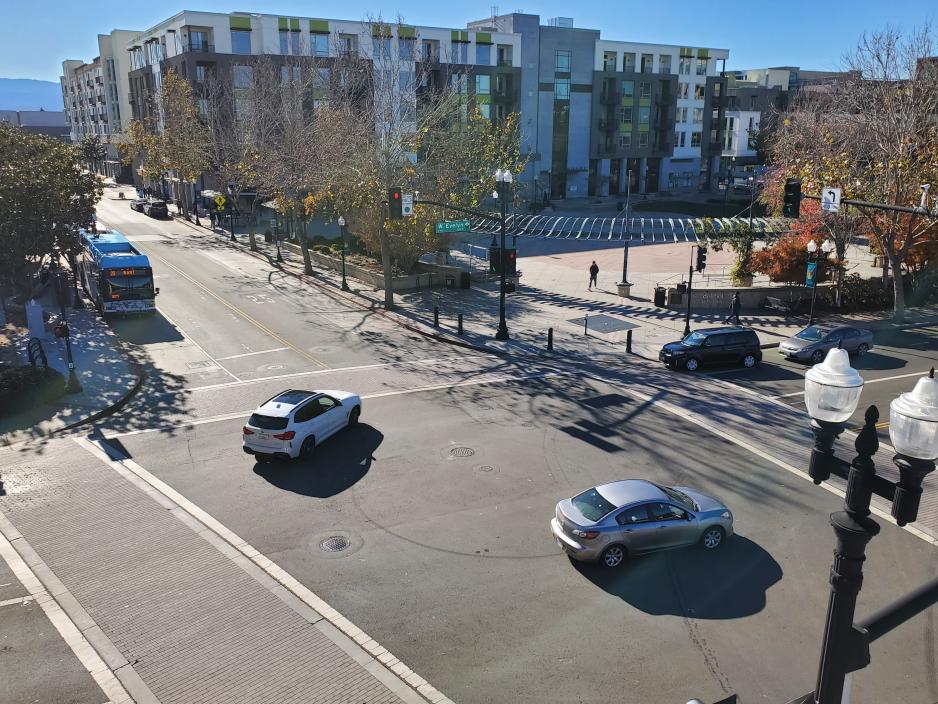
<point x="202" y="48"/>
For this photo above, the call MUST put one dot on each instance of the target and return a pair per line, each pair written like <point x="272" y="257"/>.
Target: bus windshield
<point x="132" y="287"/>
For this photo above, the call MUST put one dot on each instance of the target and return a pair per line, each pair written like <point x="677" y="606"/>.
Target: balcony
<point x="200" y="48"/>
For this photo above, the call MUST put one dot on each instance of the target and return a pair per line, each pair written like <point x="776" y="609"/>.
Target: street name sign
<point x="407" y="205"/>
<point x="452" y="226"/>
<point x="830" y="200"/>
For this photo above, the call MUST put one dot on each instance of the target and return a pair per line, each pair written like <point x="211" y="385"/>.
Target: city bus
<point x="115" y="274"/>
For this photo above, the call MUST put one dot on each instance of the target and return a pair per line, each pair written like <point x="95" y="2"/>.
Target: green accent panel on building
<point x="686" y="51"/>
<point x="703" y="53"/>
<point x="379" y="29"/>
<point x="627" y="102"/>
<point x="581" y="88"/>
<point x="282" y="22"/>
<point x="406" y="32"/>
<point x="239" y="22"/>
<point x="642" y="126"/>
<point x="295" y="25"/>
<point x="644" y="102"/>
<point x="483" y="99"/>
<point x="625" y="128"/>
<point x="319" y="26"/>
<point x="545" y="87"/>
<point x="458" y="36"/>
<point x="483" y="38"/>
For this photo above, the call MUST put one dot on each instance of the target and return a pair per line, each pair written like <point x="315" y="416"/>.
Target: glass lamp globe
<point x="828" y="246"/>
<point x="508" y="178"/>
<point x="832" y="388"/>
<point x="913" y="420"/>
<point x="812" y="246"/>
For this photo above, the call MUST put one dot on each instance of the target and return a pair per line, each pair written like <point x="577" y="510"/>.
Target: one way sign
<point x="830" y="200"/>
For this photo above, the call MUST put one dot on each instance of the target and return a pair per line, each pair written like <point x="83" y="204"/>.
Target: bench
<point x="772" y="303"/>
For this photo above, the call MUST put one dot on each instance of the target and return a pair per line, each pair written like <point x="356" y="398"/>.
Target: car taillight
<point x="115" y="296"/>
<point x="586" y="534"/>
<point x="247" y="431"/>
<point x="289" y="435"/>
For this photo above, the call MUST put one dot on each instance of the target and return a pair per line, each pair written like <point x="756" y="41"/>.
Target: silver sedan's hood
<point x="796" y="343"/>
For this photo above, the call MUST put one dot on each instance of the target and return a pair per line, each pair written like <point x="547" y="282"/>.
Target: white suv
<point x="292" y="422"/>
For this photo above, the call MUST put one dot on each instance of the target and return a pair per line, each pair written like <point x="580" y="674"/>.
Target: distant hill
<point x="29" y="94"/>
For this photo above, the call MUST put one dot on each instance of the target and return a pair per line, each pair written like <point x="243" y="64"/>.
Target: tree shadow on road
<point x="730" y="582"/>
<point x="336" y="465"/>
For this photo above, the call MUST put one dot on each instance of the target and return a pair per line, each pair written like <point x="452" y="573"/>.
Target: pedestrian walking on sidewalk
<point x="734" y="309"/>
<point x="212" y="216"/>
<point x="594" y="272"/>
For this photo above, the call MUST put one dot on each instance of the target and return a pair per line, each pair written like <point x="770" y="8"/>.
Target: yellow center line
<point x="244" y="315"/>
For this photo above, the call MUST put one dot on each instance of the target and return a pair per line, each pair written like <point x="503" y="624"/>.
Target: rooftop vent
<point x="560" y="22"/>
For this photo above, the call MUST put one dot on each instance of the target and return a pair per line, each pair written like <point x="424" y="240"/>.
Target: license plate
<point x="265" y="436"/>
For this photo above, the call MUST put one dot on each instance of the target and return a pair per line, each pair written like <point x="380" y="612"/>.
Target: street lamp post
<point x="503" y="180"/>
<point x="625" y="235"/>
<point x="342" y="233"/>
<point x="72" y="385"/>
<point x="752" y="199"/>
<point x="813" y="258"/>
<point x="832" y="393"/>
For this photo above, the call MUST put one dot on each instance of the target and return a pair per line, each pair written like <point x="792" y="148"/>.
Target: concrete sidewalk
<point x="178" y="607"/>
<point x="105" y="372"/>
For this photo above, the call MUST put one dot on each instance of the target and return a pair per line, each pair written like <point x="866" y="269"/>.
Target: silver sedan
<point x="812" y="343"/>
<point x="631" y="517"/>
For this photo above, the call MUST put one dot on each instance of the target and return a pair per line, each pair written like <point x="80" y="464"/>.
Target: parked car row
<point x="152" y="207"/>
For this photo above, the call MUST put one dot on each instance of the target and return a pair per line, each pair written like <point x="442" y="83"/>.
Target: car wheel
<point x="692" y="364"/>
<point x="749" y="361"/>
<point x="712" y="538"/>
<point x="817" y="356"/>
<point x="354" y="416"/>
<point x="612" y="557"/>
<point x="863" y="349"/>
<point x="308" y="447"/>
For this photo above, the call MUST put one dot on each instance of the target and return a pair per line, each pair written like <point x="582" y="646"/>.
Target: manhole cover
<point x="462" y="452"/>
<point x="486" y="468"/>
<point x="335" y="543"/>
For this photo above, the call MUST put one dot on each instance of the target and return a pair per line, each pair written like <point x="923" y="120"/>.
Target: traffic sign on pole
<point x="830" y="200"/>
<point x="407" y="205"/>
<point x="220" y="201"/>
<point x="446" y="226"/>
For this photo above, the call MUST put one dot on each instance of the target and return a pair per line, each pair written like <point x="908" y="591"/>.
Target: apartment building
<point x="95" y="96"/>
<point x="596" y="112"/>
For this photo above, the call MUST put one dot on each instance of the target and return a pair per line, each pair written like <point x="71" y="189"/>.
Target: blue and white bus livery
<point x="116" y="275"/>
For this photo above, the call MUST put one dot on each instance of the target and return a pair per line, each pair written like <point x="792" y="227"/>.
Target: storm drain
<point x="486" y="468"/>
<point x="335" y="543"/>
<point x="462" y="452"/>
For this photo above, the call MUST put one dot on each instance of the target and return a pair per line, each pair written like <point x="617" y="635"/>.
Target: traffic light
<point x="792" y="203"/>
<point x="495" y="260"/>
<point x="511" y="262"/>
<point x="701" y="258"/>
<point x="395" y="211"/>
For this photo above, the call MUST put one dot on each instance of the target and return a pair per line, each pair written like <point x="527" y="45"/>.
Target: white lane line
<point x="866" y="382"/>
<point x="19" y="600"/>
<point x="196" y="344"/>
<point x="691" y="418"/>
<point x="70" y="633"/>
<point x="380" y="662"/>
<point x="292" y="375"/>
<point x="383" y="394"/>
<point x="248" y="354"/>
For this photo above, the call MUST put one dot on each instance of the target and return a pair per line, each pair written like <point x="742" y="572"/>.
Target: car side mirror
<point x="688" y="517"/>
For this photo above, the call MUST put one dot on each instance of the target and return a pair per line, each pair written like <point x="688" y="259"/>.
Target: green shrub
<point x="865" y="294"/>
<point x="28" y="386"/>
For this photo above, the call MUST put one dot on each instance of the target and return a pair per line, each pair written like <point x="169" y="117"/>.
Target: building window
<point x="486" y="110"/>
<point x="682" y="90"/>
<point x="289" y="74"/>
<point x="628" y="89"/>
<point x="483" y="84"/>
<point x="381" y="47"/>
<point x="609" y="61"/>
<point x="460" y="53"/>
<point x="647" y="62"/>
<point x="199" y="73"/>
<point x="406" y="48"/>
<point x="504" y="54"/>
<point x="701" y="67"/>
<point x="625" y="115"/>
<point x="562" y="61"/>
<point x="664" y="63"/>
<point x="483" y="54"/>
<point x="348" y="44"/>
<point x="198" y="41"/>
<point x="698" y="115"/>
<point x="460" y="82"/>
<point x="643" y="139"/>
<point x="625" y="141"/>
<point x="562" y="89"/>
<point x="628" y="63"/>
<point x="644" y="116"/>
<point x="320" y="44"/>
<point x="644" y="90"/>
<point x="289" y="42"/>
<point x="684" y="66"/>
<point x="243" y="77"/>
<point x="694" y="139"/>
<point x="698" y="92"/>
<point x="240" y="41"/>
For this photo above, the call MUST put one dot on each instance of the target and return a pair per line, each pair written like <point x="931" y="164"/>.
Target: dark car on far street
<point x="138" y="204"/>
<point x="710" y="346"/>
<point x="156" y="209"/>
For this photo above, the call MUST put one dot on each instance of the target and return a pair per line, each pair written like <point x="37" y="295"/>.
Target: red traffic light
<point x="397" y="195"/>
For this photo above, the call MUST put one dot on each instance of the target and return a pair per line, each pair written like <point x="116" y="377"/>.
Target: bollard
<point x="550" y="339"/>
<point x="628" y="342"/>
<point x="436" y="317"/>
<point x="459" y="324"/>
<point x="586" y="324"/>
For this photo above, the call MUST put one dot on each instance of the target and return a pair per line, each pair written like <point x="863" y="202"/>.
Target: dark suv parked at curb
<point x="713" y="346"/>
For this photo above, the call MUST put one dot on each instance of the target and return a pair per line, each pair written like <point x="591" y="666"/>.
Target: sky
<point x="37" y="35"/>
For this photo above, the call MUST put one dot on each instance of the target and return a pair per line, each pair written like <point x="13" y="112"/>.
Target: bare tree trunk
<point x="898" y="314"/>
<point x="388" y="273"/>
<point x="307" y="262"/>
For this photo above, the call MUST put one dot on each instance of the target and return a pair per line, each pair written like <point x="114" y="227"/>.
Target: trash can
<point x="450" y="281"/>
<point x="681" y="288"/>
<point x="676" y="298"/>
<point x="659" y="296"/>
<point x="268" y="237"/>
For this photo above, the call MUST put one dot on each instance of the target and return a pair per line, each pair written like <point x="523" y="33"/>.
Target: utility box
<point x="659" y="296"/>
<point x="34" y="319"/>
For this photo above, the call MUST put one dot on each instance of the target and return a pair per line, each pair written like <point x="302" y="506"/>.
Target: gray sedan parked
<point x="630" y="517"/>
<point x="812" y="343"/>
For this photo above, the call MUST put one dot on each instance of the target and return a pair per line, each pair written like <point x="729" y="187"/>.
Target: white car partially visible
<point x="294" y="422"/>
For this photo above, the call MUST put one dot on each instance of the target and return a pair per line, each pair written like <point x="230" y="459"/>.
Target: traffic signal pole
<point x="690" y="281"/>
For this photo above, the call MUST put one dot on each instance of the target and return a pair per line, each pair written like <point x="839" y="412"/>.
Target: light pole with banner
<point x="811" y="274"/>
<point x="503" y="181"/>
<point x="625" y="285"/>
<point x="342" y="234"/>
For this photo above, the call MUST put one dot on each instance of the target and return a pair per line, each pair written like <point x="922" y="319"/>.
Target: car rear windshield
<point x="592" y="505"/>
<point x="267" y="422"/>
